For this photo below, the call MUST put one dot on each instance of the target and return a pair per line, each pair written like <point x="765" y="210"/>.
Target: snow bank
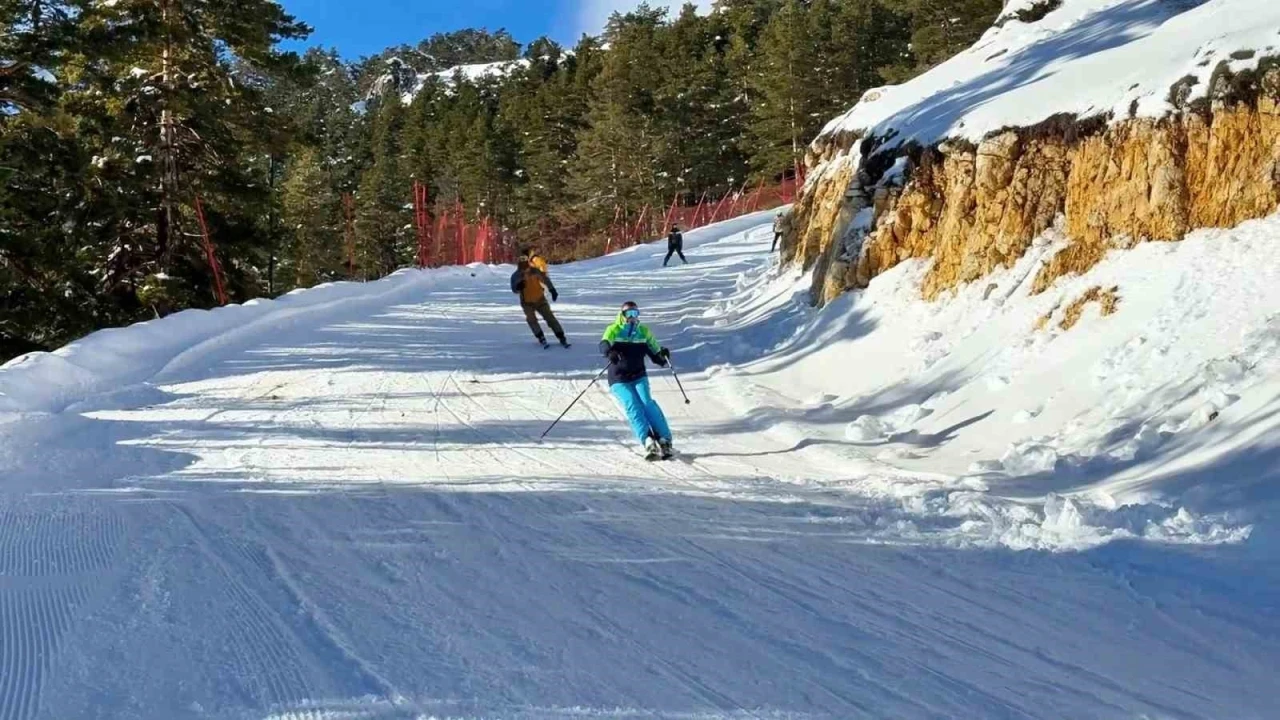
<point x="109" y="359"/>
<point x="1157" y="422"/>
<point x="1086" y="58"/>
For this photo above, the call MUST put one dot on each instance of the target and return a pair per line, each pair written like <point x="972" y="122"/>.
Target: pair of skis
<point x="546" y="345"/>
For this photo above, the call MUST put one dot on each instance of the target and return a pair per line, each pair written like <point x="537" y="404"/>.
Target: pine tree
<point x="541" y="113"/>
<point x="788" y="88"/>
<point x="35" y="33"/>
<point x="462" y="47"/>
<point x="172" y="103"/>
<point x="384" y="231"/>
<point x="313" y="223"/>
<point x="618" y="153"/>
<point x="867" y="36"/>
<point x="696" y="108"/>
<point x="942" y="28"/>
<point x="46" y="287"/>
<point x="48" y="292"/>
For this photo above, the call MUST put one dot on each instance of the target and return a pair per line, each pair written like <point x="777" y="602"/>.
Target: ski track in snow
<point x="340" y="508"/>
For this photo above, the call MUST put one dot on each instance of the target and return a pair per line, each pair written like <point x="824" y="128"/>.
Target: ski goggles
<point x="631" y="313"/>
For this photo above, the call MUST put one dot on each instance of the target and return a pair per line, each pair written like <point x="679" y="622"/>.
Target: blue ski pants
<point x="641" y="409"/>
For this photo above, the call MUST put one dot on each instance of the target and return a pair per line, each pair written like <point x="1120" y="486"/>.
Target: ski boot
<point x="664" y="446"/>
<point x="543" y="342"/>
<point x="564" y="343"/>
<point x="652" y="450"/>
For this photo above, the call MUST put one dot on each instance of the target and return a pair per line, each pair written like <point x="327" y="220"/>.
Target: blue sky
<point x="364" y="27"/>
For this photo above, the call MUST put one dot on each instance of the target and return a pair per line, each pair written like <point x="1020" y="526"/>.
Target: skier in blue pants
<point x="627" y="343"/>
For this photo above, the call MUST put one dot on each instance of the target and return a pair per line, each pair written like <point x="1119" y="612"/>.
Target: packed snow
<point x="337" y="505"/>
<point x="1086" y="58"/>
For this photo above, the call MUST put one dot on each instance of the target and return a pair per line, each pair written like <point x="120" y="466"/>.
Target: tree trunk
<point x="167" y="221"/>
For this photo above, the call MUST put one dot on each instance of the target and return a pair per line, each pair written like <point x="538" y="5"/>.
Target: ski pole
<point x="678" y="384"/>
<point x="575" y="401"/>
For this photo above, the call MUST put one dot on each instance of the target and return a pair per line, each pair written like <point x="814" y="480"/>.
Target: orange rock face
<point x="972" y="210"/>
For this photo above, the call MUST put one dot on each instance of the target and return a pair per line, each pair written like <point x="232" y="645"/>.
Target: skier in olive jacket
<point x="529" y="282"/>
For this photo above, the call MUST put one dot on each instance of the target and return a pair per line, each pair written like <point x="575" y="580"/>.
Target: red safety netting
<point x="447" y="234"/>
<point x="629" y="229"/>
<point x="219" y="287"/>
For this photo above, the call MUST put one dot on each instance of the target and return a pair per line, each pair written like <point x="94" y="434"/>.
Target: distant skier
<point x="675" y="245"/>
<point x="529" y="282"/>
<point x="781" y="226"/>
<point x="626" y="343"/>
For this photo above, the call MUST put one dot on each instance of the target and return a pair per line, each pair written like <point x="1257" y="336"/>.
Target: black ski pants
<point x="673" y="250"/>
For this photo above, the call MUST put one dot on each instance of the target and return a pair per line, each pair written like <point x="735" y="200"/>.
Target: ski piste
<point x="335" y="504"/>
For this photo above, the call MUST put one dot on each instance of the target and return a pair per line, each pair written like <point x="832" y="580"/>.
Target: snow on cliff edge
<point x="1086" y="58"/>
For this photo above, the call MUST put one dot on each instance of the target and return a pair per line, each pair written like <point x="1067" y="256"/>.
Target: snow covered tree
<point x="35" y="32"/>
<point x="46" y="285"/>
<point x="171" y="102"/>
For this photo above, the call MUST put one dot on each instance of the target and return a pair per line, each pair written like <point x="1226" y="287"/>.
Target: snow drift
<point x="1083" y="58"/>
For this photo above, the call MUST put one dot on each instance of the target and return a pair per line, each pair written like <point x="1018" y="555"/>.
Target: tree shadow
<point x="763" y="418"/>
<point x="917" y="439"/>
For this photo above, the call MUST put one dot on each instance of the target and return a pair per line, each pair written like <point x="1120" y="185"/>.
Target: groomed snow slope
<point x="1085" y="58"/>
<point x="336" y="505"/>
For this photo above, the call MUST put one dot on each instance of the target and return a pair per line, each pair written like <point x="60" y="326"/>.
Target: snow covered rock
<point x="1122" y="121"/>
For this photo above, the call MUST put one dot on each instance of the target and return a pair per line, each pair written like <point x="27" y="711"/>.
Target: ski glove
<point x="615" y="357"/>
<point x="554" y="295"/>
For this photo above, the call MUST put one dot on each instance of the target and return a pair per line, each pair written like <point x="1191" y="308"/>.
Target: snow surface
<point x="336" y="504"/>
<point x="1087" y="58"/>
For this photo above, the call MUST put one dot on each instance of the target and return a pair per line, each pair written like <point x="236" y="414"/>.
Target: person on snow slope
<point x="675" y="245"/>
<point x="532" y="285"/>
<point x="781" y="226"/>
<point x="627" y="343"/>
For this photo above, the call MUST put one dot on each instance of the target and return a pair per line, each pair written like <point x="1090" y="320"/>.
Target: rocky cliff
<point x="971" y="205"/>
